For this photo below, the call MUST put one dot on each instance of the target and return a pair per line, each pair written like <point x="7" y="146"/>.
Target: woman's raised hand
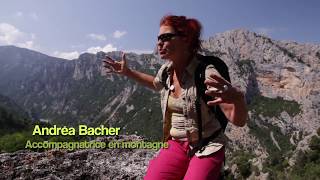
<point x="119" y="67"/>
<point x="222" y="90"/>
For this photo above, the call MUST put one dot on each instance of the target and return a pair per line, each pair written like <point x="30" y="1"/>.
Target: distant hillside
<point x="75" y="92"/>
<point x="12" y="117"/>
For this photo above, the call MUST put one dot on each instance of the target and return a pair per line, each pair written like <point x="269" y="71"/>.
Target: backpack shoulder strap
<point x="164" y="76"/>
<point x="200" y="89"/>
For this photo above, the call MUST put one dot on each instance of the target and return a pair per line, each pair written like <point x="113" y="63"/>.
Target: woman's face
<point x="170" y="45"/>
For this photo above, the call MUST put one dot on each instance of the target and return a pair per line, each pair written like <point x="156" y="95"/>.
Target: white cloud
<point x="18" y="14"/>
<point x="140" y="51"/>
<point x="33" y="36"/>
<point x="67" y="55"/>
<point x="76" y="54"/>
<point x="27" y="44"/>
<point x="118" y="34"/>
<point x="10" y="35"/>
<point x="106" y="48"/>
<point x="99" y="37"/>
<point x="34" y="16"/>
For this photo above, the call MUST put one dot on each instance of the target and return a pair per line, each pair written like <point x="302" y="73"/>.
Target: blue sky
<point x="67" y="28"/>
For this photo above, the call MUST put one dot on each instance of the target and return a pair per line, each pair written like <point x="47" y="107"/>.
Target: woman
<point x="178" y="43"/>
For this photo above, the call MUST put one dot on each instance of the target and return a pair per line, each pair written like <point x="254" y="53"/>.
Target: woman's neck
<point x="180" y="63"/>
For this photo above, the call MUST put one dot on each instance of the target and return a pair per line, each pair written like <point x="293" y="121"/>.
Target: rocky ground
<point x="82" y="164"/>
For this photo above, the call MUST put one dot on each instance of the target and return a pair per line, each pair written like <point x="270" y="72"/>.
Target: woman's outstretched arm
<point x="120" y="67"/>
<point x="142" y="78"/>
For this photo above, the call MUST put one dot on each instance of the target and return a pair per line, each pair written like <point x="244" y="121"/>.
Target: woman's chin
<point x="164" y="56"/>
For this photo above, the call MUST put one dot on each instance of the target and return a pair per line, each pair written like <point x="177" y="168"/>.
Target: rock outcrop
<point x="81" y="164"/>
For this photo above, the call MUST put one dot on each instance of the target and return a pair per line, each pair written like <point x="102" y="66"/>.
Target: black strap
<point x="203" y="142"/>
<point x="201" y="75"/>
<point x="164" y="77"/>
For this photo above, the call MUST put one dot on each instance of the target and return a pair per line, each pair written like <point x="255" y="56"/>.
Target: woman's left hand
<point x="222" y="90"/>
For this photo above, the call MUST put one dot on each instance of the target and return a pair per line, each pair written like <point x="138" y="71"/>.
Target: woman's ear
<point x="188" y="41"/>
<point x="185" y="38"/>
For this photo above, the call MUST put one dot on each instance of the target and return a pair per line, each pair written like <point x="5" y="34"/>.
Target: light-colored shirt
<point x="209" y="123"/>
<point x="175" y="108"/>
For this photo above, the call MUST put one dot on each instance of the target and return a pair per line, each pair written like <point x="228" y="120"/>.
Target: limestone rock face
<point x="262" y="66"/>
<point x="272" y="68"/>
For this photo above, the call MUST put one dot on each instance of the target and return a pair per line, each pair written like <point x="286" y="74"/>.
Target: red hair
<point x="188" y="27"/>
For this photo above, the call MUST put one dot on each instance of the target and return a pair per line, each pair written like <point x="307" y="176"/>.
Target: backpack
<point x="222" y="68"/>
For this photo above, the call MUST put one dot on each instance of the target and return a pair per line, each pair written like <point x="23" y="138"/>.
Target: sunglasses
<point x="166" y="37"/>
